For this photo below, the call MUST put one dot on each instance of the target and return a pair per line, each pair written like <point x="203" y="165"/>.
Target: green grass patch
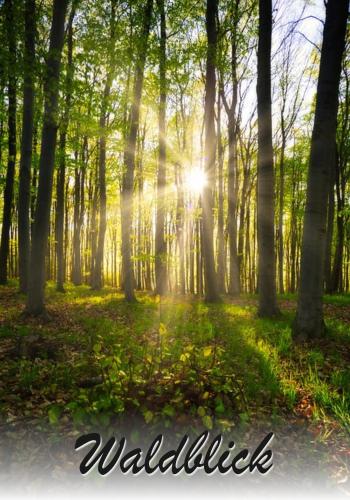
<point x="169" y="360"/>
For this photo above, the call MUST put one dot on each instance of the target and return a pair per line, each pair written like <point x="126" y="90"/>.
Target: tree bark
<point x="180" y="228"/>
<point x="232" y="184"/>
<point x="280" y="213"/>
<point x="336" y="278"/>
<point x="265" y="188"/>
<point x="129" y="158"/>
<point x="61" y="172"/>
<point x="11" y="163"/>
<point x="234" y="282"/>
<point x="96" y="282"/>
<point x="26" y="145"/>
<point x="329" y="239"/>
<point x="309" y="321"/>
<point x="35" y="299"/>
<point x="211" y="288"/>
<point x="220" y="237"/>
<point x="79" y="185"/>
<point x="160" y="243"/>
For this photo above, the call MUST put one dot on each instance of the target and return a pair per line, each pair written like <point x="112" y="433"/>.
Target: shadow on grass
<point x="171" y="360"/>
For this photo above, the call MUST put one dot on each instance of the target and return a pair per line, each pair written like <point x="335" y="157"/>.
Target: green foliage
<point x="174" y="361"/>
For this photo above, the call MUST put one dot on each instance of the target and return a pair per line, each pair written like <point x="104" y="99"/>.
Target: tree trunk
<point x="221" y="240"/>
<point x="129" y="158"/>
<point x="26" y="146"/>
<point x="336" y="279"/>
<point x="232" y="184"/>
<point x="211" y="288"/>
<point x="160" y="243"/>
<point x="96" y="282"/>
<point x="11" y="163"/>
<point x="309" y="318"/>
<point x="93" y="232"/>
<point x="265" y="188"/>
<point x="76" y="259"/>
<point x="35" y="300"/>
<point x="234" y="284"/>
<point x="280" y="214"/>
<point x="79" y="214"/>
<point x="329" y="239"/>
<point x="61" y="173"/>
<point x="242" y="217"/>
<point x="180" y="228"/>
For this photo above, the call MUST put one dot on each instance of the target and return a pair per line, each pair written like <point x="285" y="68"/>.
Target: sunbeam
<point x="195" y="180"/>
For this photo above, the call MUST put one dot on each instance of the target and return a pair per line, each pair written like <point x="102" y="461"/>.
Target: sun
<point x="195" y="180"/>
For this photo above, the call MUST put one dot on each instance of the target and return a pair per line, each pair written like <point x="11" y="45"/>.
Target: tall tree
<point x="211" y="288"/>
<point x="126" y="204"/>
<point x="265" y="188"/>
<point x="61" y="172"/>
<point x="234" y="278"/>
<point x="78" y="216"/>
<point x="220" y="232"/>
<point x="309" y="318"/>
<point x="96" y="277"/>
<point x="11" y="163"/>
<point x="26" y="144"/>
<point x="290" y="104"/>
<point x="35" y="298"/>
<point x="342" y="176"/>
<point x="160" y="243"/>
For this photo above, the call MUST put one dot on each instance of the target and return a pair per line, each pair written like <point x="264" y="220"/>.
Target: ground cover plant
<point x="175" y="363"/>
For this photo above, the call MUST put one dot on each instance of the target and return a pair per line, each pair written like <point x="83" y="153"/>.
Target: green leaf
<point x="220" y="407"/>
<point x="79" y="416"/>
<point x="201" y="411"/>
<point x="162" y="329"/>
<point x="97" y="348"/>
<point x="168" y="410"/>
<point x="54" y="414"/>
<point x="207" y="421"/>
<point x="207" y="351"/>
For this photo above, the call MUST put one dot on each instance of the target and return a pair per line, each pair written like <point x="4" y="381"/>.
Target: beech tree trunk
<point x="160" y="243"/>
<point x="309" y="318"/>
<point x="129" y="158"/>
<point x="180" y="228"/>
<point x="220" y="237"/>
<point x="11" y="162"/>
<point x="26" y="145"/>
<point x="232" y="183"/>
<point x="234" y="282"/>
<point x="210" y="278"/>
<point x="79" y="208"/>
<point x="329" y="239"/>
<point x="280" y="214"/>
<point x="61" y="172"/>
<point x="265" y="188"/>
<point x="336" y="279"/>
<point x="35" y="298"/>
<point x="96" y="278"/>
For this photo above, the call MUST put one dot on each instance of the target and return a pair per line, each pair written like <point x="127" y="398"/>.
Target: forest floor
<point x="176" y="363"/>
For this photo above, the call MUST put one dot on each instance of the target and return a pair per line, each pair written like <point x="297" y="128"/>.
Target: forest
<point x="175" y="224"/>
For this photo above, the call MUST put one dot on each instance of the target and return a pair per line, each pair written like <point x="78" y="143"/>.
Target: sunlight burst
<point x="196" y="180"/>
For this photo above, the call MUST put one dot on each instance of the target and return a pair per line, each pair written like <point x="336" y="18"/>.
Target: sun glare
<point x="196" y="180"/>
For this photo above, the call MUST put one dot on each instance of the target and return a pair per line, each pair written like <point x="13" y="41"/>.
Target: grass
<point x="174" y="361"/>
